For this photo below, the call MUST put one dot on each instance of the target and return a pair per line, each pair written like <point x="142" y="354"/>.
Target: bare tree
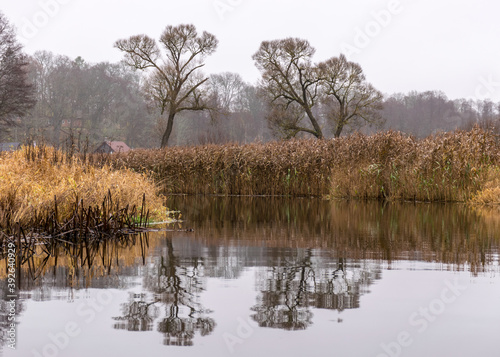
<point x="289" y="79"/>
<point x="90" y="100"/>
<point x="226" y="89"/>
<point x="175" y="83"/>
<point x="16" y="94"/>
<point x="347" y="96"/>
<point x="284" y="120"/>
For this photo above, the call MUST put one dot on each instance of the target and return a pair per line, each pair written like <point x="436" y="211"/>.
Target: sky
<point x="402" y="45"/>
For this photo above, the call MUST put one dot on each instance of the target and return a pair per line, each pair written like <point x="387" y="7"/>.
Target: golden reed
<point x="42" y="182"/>
<point x="452" y="166"/>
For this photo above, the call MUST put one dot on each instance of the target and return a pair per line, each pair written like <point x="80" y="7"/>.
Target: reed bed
<point x="295" y="168"/>
<point x="389" y="166"/>
<point x="447" y="167"/>
<point x="52" y="193"/>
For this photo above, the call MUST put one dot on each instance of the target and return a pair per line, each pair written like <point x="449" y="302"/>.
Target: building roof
<point x="110" y="147"/>
<point x="118" y="146"/>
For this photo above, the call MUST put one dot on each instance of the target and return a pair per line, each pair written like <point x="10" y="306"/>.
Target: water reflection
<point x="448" y="233"/>
<point x="138" y="314"/>
<point x="306" y="254"/>
<point x="295" y="284"/>
<point x="176" y="283"/>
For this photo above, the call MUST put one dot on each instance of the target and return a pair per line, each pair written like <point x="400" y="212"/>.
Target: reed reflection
<point x="452" y="234"/>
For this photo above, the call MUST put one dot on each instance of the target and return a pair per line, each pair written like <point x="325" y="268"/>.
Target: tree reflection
<point x="289" y="290"/>
<point x="284" y="302"/>
<point x="178" y="287"/>
<point x="334" y="291"/>
<point x="176" y="284"/>
<point x="138" y="315"/>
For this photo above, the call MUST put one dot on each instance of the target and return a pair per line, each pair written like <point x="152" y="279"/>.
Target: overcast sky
<point x="402" y="45"/>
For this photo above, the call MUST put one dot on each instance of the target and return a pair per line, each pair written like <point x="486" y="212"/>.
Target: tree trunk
<point x="56" y="134"/>
<point x="168" y="131"/>
<point x="314" y="122"/>
<point x="338" y="130"/>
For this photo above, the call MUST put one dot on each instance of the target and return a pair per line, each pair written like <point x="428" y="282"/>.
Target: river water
<point x="272" y="277"/>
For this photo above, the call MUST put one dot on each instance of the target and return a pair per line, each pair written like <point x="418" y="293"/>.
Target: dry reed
<point x="443" y="167"/>
<point x="389" y="165"/>
<point x="40" y="182"/>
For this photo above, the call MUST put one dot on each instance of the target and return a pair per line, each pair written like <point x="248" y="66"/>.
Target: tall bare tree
<point x="347" y="96"/>
<point x="16" y="93"/>
<point x="226" y="90"/>
<point x="284" y="119"/>
<point x="290" y="80"/>
<point x="175" y="82"/>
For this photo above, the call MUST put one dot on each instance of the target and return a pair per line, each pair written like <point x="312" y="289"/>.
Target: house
<point x="110" y="147"/>
<point x="10" y="146"/>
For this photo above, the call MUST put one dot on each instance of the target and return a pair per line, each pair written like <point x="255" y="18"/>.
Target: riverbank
<point x="52" y="192"/>
<point x="446" y="167"/>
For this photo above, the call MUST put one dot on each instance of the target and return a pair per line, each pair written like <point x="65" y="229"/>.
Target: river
<point x="257" y="276"/>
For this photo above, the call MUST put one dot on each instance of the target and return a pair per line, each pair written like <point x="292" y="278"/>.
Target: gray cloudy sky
<point x="403" y="45"/>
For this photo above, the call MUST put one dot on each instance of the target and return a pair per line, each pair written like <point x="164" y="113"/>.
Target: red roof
<point x="118" y="146"/>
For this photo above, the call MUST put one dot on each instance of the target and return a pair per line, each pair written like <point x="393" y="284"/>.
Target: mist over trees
<point x="425" y="113"/>
<point x="92" y="101"/>
<point x="159" y="96"/>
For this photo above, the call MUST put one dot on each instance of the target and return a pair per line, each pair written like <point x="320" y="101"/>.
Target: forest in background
<point x="105" y="100"/>
<point x="53" y="98"/>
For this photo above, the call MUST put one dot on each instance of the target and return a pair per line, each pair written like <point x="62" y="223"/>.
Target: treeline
<point x="105" y="100"/>
<point x="85" y="100"/>
<point x="425" y="113"/>
<point x="159" y="96"/>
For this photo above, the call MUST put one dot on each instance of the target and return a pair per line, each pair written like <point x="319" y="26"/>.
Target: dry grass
<point x="33" y="181"/>
<point x="444" y="167"/>
<point x="389" y="166"/>
<point x="490" y="192"/>
<point x="296" y="168"/>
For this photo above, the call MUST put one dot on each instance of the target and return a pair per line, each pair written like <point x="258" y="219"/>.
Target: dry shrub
<point x="33" y="179"/>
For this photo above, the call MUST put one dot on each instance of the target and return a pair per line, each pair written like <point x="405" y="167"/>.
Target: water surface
<point x="272" y="276"/>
